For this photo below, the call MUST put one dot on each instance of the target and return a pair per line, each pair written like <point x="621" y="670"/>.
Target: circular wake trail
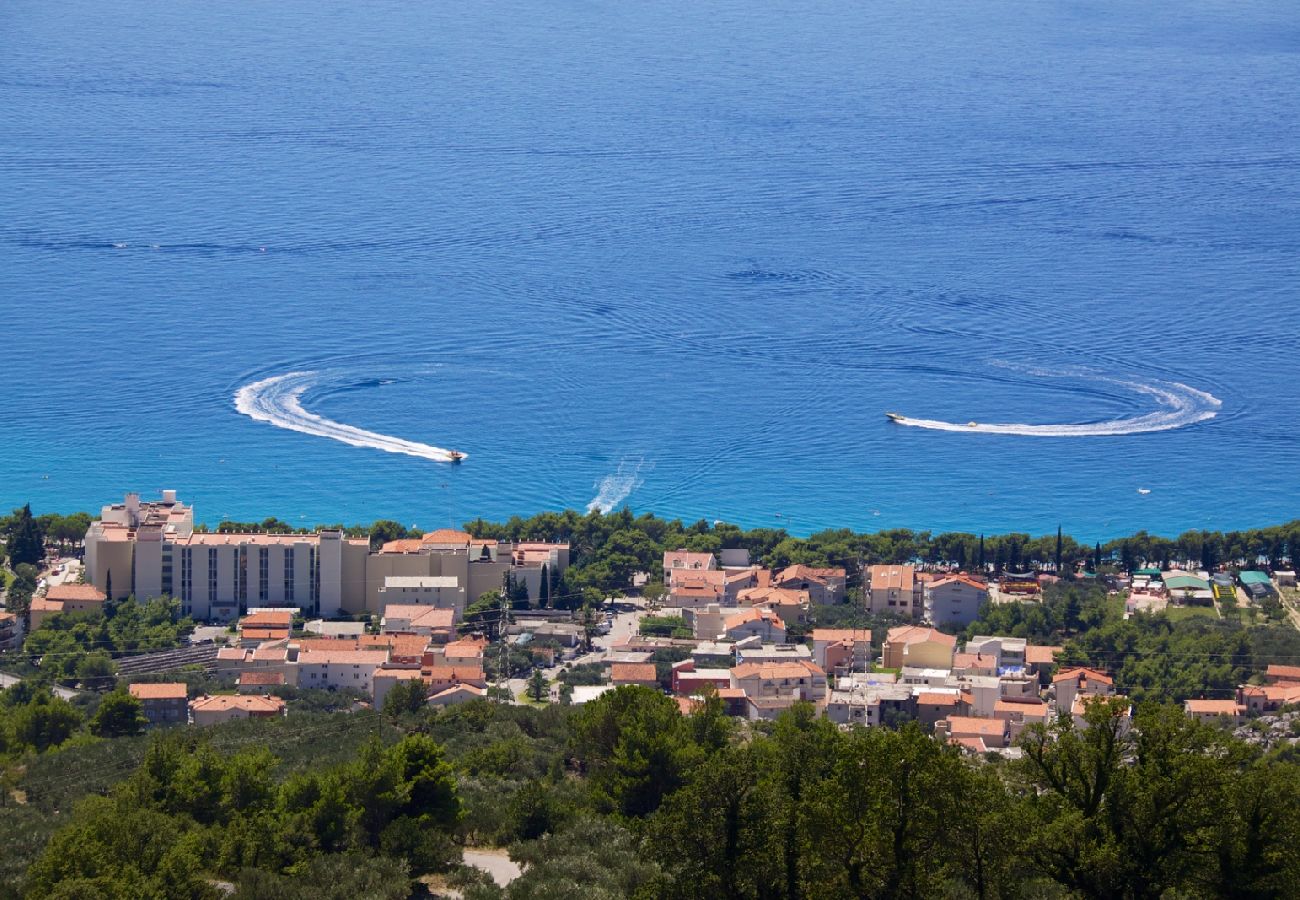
<point x="278" y="401"/>
<point x="1179" y="404"/>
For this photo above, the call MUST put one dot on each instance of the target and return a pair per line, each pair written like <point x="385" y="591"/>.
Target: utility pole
<point x="502" y="622"/>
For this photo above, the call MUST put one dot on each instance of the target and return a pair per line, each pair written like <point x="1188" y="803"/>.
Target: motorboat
<point x="455" y="456"/>
<point x="894" y="417"/>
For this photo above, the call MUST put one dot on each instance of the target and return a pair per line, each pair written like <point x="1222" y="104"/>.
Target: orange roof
<point x="166" y="691"/>
<point x="772" y="595"/>
<point x="753" y="614"/>
<point x="459" y="689"/>
<point x="630" y="672"/>
<point x="771" y="670"/>
<point x="1041" y="656"/>
<point x="263" y="634"/>
<point x="1082" y="673"/>
<point x="421" y="616"/>
<point x="892" y="577"/>
<point x="81" y="593"/>
<point x="842" y="634"/>
<point x="912" y="634"/>
<point x="267" y="619"/>
<point x="342" y="657"/>
<point x="1032" y="708"/>
<point x="1214" y="707"/>
<point x="447" y="536"/>
<point x="464" y="648"/>
<point x="970" y="725"/>
<point x="247" y="702"/>
<point x="402" y="545"/>
<point x="1283" y="673"/>
<point x="261" y="677"/>
<point x="453" y="673"/>
<point x="801" y="572"/>
<point x="41" y="604"/>
<point x="960" y="578"/>
<point x="969" y="743"/>
<point x="973" y="661"/>
<point x="729" y="693"/>
<point x="932" y="698"/>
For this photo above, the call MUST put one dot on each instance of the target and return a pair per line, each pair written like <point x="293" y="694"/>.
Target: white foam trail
<point x="613" y="489"/>
<point x="278" y="401"/>
<point x="1179" y="404"/>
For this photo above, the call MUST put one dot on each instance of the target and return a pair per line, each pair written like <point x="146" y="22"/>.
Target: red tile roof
<point x="627" y="673"/>
<point x="82" y="593"/>
<point x="166" y="691"/>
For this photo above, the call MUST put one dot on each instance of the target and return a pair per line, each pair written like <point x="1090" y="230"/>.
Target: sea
<point x="675" y="256"/>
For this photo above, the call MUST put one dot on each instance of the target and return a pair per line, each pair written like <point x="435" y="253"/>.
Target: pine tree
<point x="544" y="591"/>
<point x="1058" y="551"/>
<point x="982" y="562"/>
<point x="108" y="585"/>
<point x="26" y="542"/>
<point x="1096" y="558"/>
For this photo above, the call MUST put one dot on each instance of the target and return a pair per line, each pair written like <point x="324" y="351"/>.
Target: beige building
<point x="162" y="704"/>
<point x="224" y="707"/>
<point x="151" y="549"/>
<point x="66" y="598"/>
<point x="334" y="669"/>
<point x="895" y="589"/>
<point x="443" y="591"/>
<point x="431" y="621"/>
<point x="913" y="645"/>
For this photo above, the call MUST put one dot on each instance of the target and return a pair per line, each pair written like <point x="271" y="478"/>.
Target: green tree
<point x="406" y="697"/>
<point x="24" y="542"/>
<point x="537" y="686"/>
<point x="119" y="715"/>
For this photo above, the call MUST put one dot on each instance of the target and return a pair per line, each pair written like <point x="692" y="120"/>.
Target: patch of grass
<point x="1179" y="613"/>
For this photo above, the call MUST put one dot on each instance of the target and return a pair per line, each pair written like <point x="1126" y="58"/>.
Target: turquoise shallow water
<point x="682" y="256"/>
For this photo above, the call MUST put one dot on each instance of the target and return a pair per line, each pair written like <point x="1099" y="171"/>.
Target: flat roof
<point x="421" y="581"/>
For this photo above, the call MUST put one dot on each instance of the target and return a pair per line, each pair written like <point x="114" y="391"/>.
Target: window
<point x="263" y="573"/>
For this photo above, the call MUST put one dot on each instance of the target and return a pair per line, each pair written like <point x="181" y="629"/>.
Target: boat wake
<point x="614" y="488"/>
<point x="278" y="401"/>
<point x="1179" y="406"/>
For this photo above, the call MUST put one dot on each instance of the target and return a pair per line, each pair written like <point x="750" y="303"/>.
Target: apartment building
<point x="895" y="589"/>
<point x="151" y="549"/>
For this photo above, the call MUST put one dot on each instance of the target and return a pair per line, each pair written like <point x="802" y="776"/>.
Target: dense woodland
<point x="625" y="797"/>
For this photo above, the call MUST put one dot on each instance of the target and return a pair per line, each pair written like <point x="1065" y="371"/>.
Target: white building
<point x="955" y="600"/>
<point x="445" y="591"/>
<point x="336" y="669"/>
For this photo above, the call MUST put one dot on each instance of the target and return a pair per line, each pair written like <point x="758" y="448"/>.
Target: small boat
<point x="1144" y="491"/>
<point x="894" y="417"/>
<point x="455" y="456"/>
<point x="972" y="424"/>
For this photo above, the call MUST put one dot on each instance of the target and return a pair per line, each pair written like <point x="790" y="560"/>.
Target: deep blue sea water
<point x="679" y="255"/>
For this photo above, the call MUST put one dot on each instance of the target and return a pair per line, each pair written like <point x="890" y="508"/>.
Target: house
<point x="916" y="645"/>
<point x="345" y="668"/>
<point x="66" y="598"/>
<point x="259" y="681"/>
<point x="1209" y="711"/>
<point x="678" y="561"/>
<point x="633" y="673"/>
<point x="1079" y="709"/>
<point x="224" y="707"/>
<point x="932" y="706"/>
<point x="445" y="591"/>
<point x="1041" y="659"/>
<point x="955" y="600"/>
<point x="435" y="622"/>
<point x="11" y="630"/>
<point x="842" y="649"/>
<point x="975" y="733"/>
<point x="162" y="704"/>
<point x="754" y="622"/>
<point x="974" y="664"/>
<point x="823" y="586"/>
<point x="457" y="694"/>
<point x="265" y="625"/>
<point x="439" y="678"/>
<point x="385" y="678"/>
<point x="693" y="589"/>
<point x="1006" y="652"/>
<point x="1268" y="698"/>
<point x="1080" y="681"/>
<point x="895" y="589"/>
<point x="688" y="680"/>
<point x="1275" y="674"/>
<point x="753" y="651"/>
<point x="790" y="605"/>
<point x="869" y="701"/>
<point x="1021" y="712"/>
<point x="796" y="680"/>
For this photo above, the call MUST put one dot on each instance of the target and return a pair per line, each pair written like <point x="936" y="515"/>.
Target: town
<point x="451" y="617"/>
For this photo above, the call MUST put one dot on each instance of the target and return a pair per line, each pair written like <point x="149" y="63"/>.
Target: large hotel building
<point x="150" y="549"/>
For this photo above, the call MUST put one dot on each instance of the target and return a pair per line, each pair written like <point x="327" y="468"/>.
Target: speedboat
<point x="972" y="424"/>
<point x="455" y="456"/>
<point x="894" y="417"/>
